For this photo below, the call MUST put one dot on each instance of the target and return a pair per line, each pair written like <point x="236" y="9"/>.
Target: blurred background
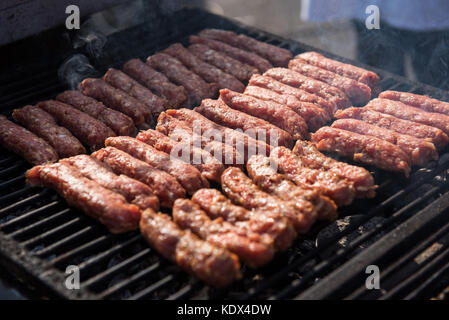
<point x="412" y="39"/>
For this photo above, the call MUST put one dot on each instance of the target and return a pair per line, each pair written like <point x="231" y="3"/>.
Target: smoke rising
<point x="76" y="68"/>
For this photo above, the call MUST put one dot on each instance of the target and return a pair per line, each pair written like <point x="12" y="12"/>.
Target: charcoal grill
<point x="40" y="235"/>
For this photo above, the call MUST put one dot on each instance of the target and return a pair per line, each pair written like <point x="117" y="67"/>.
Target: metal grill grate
<point x="407" y="236"/>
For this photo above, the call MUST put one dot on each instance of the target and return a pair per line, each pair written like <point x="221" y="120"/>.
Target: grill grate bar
<point x="418" y="275"/>
<point x="384" y="185"/>
<point x="430" y="282"/>
<point x="416" y="278"/>
<point x="27" y="89"/>
<point x="398" y="267"/>
<point x="25" y="201"/>
<point x="87" y="247"/>
<point x="15" y="194"/>
<point x="8" y="183"/>
<point x="117" y="268"/>
<point x="12" y="168"/>
<point x="28" y="81"/>
<point x="407" y="231"/>
<point x="30" y="214"/>
<point x="65" y="241"/>
<point x="45" y="92"/>
<point x="109" y="253"/>
<point x="332" y="240"/>
<point x="39" y="224"/>
<point x="9" y="159"/>
<point x="402" y="214"/>
<point x="124" y="284"/>
<point x="52" y="233"/>
<point x="149" y="290"/>
<point x="184" y="292"/>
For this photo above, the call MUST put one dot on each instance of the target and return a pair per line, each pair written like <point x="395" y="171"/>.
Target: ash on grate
<point x="339" y="226"/>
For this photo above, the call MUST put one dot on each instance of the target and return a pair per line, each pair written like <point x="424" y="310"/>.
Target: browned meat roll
<point x="205" y="70"/>
<point x="254" y="249"/>
<point x="218" y="112"/>
<point x="163" y="185"/>
<point x="420" y="151"/>
<point x="156" y="82"/>
<point x="418" y="101"/>
<point x="134" y="191"/>
<point x="275" y="113"/>
<point x="120" y="80"/>
<point x="102" y="204"/>
<point x="184" y="132"/>
<point x="242" y="191"/>
<point x="244" y="56"/>
<point x="88" y="130"/>
<point x="262" y="222"/>
<point x="319" y="88"/>
<point x="263" y="174"/>
<point x="369" y="78"/>
<point x="365" y="149"/>
<point x="357" y="92"/>
<point x="229" y="65"/>
<point x="312" y="158"/>
<point x="187" y="175"/>
<point x="277" y="56"/>
<point x="399" y="110"/>
<point x="25" y="143"/>
<point x="243" y="143"/>
<point x="210" y="263"/>
<point x="44" y="125"/>
<point x="117" y="121"/>
<point x="418" y="130"/>
<point x="258" y="80"/>
<point x="116" y="99"/>
<point x="197" y="89"/>
<point x="340" y="190"/>
<point x="314" y="116"/>
<point x="210" y="167"/>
